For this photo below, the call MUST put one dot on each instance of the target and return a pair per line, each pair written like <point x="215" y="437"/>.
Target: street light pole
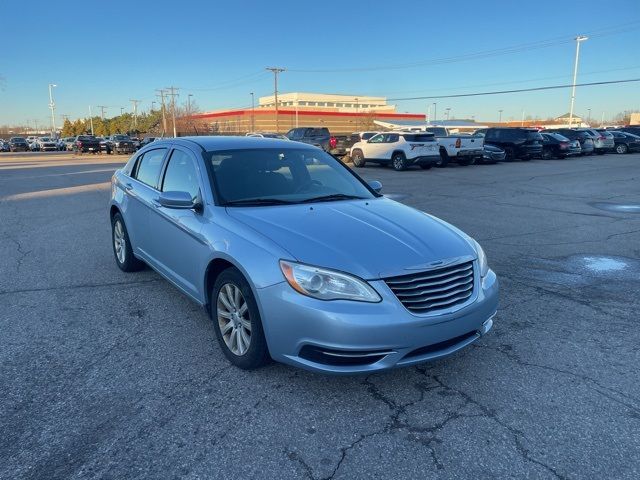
<point x="499" y="116"/>
<point x="435" y="112"/>
<point x="448" y="110"/>
<point x="52" y="106"/>
<point x="253" y="112"/>
<point x="579" y="38"/>
<point x="589" y="116"/>
<point x="91" y="119"/>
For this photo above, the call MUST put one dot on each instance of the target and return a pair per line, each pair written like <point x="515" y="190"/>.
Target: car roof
<point x="212" y="143"/>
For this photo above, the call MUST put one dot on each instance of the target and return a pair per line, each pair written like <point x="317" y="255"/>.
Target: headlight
<point x="482" y="258"/>
<point x="326" y="284"/>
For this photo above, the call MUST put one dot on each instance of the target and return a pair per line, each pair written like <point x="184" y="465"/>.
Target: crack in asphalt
<point x="80" y="286"/>
<point x="602" y="389"/>
<point x="23" y="253"/>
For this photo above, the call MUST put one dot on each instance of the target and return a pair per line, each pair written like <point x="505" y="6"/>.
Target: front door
<point x="178" y="249"/>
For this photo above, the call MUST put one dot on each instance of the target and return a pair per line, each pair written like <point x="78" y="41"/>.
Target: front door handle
<point x="128" y="187"/>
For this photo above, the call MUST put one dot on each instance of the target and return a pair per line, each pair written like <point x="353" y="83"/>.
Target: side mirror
<point x="375" y="185"/>
<point x="181" y="200"/>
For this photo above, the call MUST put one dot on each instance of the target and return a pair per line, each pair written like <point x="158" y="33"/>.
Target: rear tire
<point x="547" y="154"/>
<point x="444" y="159"/>
<point x="358" y="159"/>
<point x="622" y="148"/>
<point x="399" y="162"/>
<point x="234" y="311"/>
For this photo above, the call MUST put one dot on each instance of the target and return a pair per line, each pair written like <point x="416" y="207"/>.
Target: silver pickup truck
<point x="463" y="149"/>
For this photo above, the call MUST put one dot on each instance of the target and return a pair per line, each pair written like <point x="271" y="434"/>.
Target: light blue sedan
<point x="298" y="259"/>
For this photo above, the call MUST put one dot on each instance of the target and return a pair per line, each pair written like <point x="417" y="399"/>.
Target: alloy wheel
<point x="119" y="241"/>
<point x="233" y="319"/>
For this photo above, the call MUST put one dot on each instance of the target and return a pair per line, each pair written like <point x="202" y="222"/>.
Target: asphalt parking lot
<point x="112" y="375"/>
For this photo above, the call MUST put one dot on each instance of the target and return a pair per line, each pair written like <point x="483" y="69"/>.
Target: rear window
<point x="85" y="138"/>
<point x="318" y="131"/>
<point x="148" y="167"/>
<point x="531" y="135"/>
<point x="419" y="137"/>
<point x="440" y="131"/>
<point x="18" y="139"/>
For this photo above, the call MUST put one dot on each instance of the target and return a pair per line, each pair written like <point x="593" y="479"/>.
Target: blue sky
<point x="105" y="53"/>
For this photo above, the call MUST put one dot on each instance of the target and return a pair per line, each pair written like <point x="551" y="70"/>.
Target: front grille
<point x="432" y="290"/>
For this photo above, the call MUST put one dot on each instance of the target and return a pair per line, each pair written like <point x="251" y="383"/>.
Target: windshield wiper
<point x="329" y="198"/>
<point x="258" y="201"/>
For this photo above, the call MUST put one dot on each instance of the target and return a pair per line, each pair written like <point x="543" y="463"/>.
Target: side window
<point x="379" y="138"/>
<point x="392" y="138"/>
<point x="181" y="175"/>
<point x="149" y="166"/>
<point x="491" y="135"/>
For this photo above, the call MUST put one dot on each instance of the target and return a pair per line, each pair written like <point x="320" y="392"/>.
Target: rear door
<point x="141" y="190"/>
<point x="177" y="248"/>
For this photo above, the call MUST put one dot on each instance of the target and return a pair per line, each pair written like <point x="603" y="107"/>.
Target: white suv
<point x="400" y="149"/>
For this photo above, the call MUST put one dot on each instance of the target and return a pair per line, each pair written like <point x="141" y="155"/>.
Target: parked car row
<point x="435" y="146"/>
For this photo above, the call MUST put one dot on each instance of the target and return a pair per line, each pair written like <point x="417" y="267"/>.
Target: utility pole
<point x="91" y="119"/>
<point x="135" y="112"/>
<point x="253" y="112"/>
<point x="357" y="111"/>
<point x="276" y="71"/>
<point x="172" y="93"/>
<point x="602" y="120"/>
<point x="435" y="112"/>
<point x="499" y="116"/>
<point x="589" y="116"/>
<point x="52" y="106"/>
<point x="101" y="107"/>
<point x="162" y="107"/>
<point x="189" y="121"/>
<point x="579" y="38"/>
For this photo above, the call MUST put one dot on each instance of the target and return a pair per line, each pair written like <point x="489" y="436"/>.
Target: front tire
<point x="237" y="322"/>
<point x="399" y="162"/>
<point x="122" y="250"/>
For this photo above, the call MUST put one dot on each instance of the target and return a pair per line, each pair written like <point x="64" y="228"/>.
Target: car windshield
<point x="273" y="176"/>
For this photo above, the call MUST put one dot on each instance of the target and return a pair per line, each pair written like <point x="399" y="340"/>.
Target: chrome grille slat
<point x="425" y="276"/>
<point x="413" y="286"/>
<point x="436" y="289"/>
<point x="447" y="302"/>
<point x="423" y="298"/>
<point x="444" y="286"/>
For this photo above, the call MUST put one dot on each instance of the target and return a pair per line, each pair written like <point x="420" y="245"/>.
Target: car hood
<point x="369" y="238"/>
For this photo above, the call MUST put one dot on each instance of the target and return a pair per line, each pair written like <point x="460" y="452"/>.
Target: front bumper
<point x="378" y="336"/>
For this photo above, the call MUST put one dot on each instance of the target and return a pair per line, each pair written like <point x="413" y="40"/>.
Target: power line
<point x="602" y="32"/>
<point x="499" y="92"/>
